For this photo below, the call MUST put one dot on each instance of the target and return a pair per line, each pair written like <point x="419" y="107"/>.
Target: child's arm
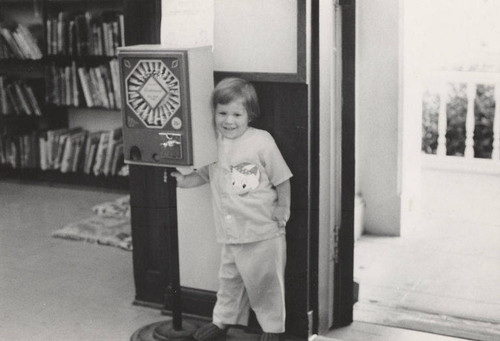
<point x="282" y="212"/>
<point x="189" y="180"/>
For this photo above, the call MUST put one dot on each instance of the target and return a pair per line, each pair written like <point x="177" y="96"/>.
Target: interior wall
<point x="378" y="108"/>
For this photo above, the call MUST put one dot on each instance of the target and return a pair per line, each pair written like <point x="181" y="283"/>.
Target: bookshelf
<point x="59" y="89"/>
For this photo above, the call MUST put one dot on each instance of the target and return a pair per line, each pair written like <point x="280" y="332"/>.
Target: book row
<point x="18" y="42"/>
<point x="85" y="34"/>
<point x="74" y="85"/>
<point x="67" y="150"/>
<point x="16" y="97"/>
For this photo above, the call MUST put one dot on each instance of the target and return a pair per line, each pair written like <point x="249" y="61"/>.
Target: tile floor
<point x="442" y="266"/>
<point x="54" y="289"/>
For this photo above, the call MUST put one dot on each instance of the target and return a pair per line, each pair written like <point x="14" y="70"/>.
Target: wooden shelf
<point x="23" y="68"/>
<point x="66" y="59"/>
<point x="56" y="177"/>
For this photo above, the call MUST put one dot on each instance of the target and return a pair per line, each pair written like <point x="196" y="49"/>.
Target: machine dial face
<point x="153" y="92"/>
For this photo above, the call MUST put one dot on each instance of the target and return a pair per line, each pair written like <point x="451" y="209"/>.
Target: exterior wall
<point x="377" y="131"/>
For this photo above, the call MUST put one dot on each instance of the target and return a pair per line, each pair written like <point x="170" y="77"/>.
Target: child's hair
<point x="230" y="89"/>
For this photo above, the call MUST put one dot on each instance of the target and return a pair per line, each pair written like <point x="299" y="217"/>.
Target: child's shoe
<point x="270" y="337"/>
<point x="210" y="332"/>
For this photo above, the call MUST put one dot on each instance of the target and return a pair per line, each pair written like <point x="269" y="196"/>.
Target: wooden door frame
<point x="335" y="246"/>
<point x="343" y="291"/>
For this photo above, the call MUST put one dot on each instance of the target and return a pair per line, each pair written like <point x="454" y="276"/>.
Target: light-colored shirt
<point x="243" y="183"/>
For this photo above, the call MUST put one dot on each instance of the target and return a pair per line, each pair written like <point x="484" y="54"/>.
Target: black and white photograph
<point x="249" y="170"/>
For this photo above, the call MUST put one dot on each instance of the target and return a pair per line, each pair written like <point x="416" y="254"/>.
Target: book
<point x="64" y="151"/>
<point x="3" y="158"/>
<point x="12" y="97"/>
<point x="89" y="17"/>
<point x="4" y="106"/>
<point x="118" y="159"/>
<point x="61" y="146"/>
<point x="53" y="145"/>
<point x="115" y="137"/>
<point x="81" y="33"/>
<point x="32" y="100"/>
<point x="101" y="152"/>
<point x="100" y="86"/>
<point x="70" y="149"/>
<point x="22" y="44"/>
<point x="13" y="152"/>
<point x="48" y="36"/>
<point x="71" y="38"/>
<point x="25" y="107"/>
<point x="42" y="143"/>
<point x="90" y="150"/>
<point x="62" y="33"/>
<point x="95" y="91"/>
<point x="68" y="84"/>
<point x="79" y="152"/>
<point x="30" y="39"/>
<point x="34" y="140"/>
<point x="121" y="26"/>
<point x="74" y="85"/>
<point x="7" y="35"/>
<point x="85" y="83"/>
<point x="27" y="42"/>
<point x="106" y="76"/>
<point x="115" y="81"/>
<point x="54" y="37"/>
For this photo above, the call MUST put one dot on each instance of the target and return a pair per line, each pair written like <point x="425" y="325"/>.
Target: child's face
<point x="231" y="119"/>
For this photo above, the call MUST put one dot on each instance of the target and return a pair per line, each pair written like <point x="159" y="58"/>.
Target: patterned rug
<point x="109" y="226"/>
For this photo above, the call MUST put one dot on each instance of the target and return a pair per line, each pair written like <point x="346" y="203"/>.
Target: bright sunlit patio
<point x="441" y="275"/>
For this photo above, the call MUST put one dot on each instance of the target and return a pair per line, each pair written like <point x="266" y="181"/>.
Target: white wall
<point x="198" y="250"/>
<point x="377" y="102"/>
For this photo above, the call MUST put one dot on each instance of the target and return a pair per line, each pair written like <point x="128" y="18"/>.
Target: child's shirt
<point x="243" y="182"/>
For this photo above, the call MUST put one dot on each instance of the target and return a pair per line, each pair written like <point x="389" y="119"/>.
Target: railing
<point x="468" y="161"/>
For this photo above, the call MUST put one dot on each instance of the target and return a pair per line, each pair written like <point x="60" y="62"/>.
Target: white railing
<point x="466" y="162"/>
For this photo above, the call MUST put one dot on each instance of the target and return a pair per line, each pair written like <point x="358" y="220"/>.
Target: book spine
<point x="115" y="78"/>
<point x="84" y="82"/>
<point x="3" y="97"/>
<point x="32" y="100"/>
<point x="74" y="80"/>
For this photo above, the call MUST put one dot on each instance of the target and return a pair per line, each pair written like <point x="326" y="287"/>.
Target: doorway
<point x="441" y="274"/>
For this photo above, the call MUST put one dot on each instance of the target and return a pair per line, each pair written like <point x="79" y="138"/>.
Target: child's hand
<point x="179" y="177"/>
<point x="281" y="215"/>
<point x="192" y="179"/>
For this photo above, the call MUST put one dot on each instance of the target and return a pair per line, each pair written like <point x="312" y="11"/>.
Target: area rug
<point x="109" y="226"/>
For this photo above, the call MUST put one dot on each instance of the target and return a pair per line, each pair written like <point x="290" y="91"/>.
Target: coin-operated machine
<point x="167" y="122"/>
<point x="166" y="105"/>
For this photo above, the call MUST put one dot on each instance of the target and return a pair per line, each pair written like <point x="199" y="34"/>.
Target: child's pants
<point x="252" y="275"/>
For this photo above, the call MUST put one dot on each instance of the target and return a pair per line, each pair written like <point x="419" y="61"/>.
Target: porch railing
<point x="467" y="161"/>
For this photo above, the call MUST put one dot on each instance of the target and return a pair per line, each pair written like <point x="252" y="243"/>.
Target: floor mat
<point x="110" y="226"/>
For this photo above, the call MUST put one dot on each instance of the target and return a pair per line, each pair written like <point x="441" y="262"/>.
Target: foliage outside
<point x="456" y="113"/>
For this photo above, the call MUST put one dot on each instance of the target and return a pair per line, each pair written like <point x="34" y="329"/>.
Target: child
<point x="251" y="201"/>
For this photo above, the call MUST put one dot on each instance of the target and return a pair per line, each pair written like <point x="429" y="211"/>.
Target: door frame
<point x="337" y="167"/>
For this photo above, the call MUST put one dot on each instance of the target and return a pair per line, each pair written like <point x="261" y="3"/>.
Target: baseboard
<point x="147" y="304"/>
<point x="196" y="302"/>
